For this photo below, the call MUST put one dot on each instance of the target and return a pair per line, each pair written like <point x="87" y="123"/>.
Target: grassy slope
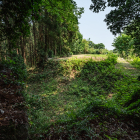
<point x="135" y="62"/>
<point x="126" y="67"/>
<point x="66" y="102"/>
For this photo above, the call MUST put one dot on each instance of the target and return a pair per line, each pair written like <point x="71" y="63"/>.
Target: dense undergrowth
<point x="13" y="118"/>
<point x="79" y="99"/>
<point x="136" y="62"/>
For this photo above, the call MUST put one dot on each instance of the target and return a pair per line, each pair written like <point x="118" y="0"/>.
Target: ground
<point x="55" y="98"/>
<point x="127" y="67"/>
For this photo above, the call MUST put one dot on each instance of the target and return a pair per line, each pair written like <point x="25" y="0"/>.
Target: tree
<point x="123" y="44"/>
<point x="77" y="46"/>
<point x="115" y="50"/>
<point x="14" y="17"/>
<point x="99" y="46"/>
<point x="134" y="31"/>
<point x="125" y="12"/>
<point x="49" y="26"/>
<point x="85" y="45"/>
<point x="91" y="44"/>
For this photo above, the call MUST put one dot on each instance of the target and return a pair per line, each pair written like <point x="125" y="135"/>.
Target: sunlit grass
<point x="97" y="55"/>
<point x="58" y="93"/>
<point x="127" y="68"/>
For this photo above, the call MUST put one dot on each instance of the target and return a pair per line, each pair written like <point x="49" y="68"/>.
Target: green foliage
<point x="77" y="106"/>
<point x="133" y="99"/>
<point x="98" y="72"/>
<point x="99" y="46"/>
<point x="66" y="50"/>
<point x="138" y="78"/>
<point x="132" y="105"/>
<point x="97" y="51"/>
<point x="50" y="54"/>
<point x="86" y="46"/>
<point x="122" y="21"/>
<point x="119" y="17"/>
<point x="91" y="51"/>
<point x="70" y="53"/>
<point x="16" y="64"/>
<point x="123" y="44"/>
<point x="23" y="10"/>
<point x="112" y="58"/>
<point x="136" y="62"/>
<point x="133" y="29"/>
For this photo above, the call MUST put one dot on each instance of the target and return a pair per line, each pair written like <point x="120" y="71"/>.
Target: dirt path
<point x="127" y="67"/>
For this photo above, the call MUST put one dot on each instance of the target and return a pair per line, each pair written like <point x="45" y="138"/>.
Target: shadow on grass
<point x="128" y="69"/>
<point x="74" y="103"/>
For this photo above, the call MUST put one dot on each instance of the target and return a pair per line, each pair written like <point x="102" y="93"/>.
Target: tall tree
<point x="14" y="17"/>
<point x="122" y="44"/>
<point x="125" y="12"/>
<point x="134" y="31"/>
<point x="52" y="27"/>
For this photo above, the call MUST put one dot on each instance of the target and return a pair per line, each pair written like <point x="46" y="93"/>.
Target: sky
<point x="92" y="25"/>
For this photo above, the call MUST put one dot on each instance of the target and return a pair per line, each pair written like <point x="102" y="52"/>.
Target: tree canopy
<point x="134" y="31"/>
<point x="14" y="15"/>
<point x="122" y="44"/>
<point x="125" y="12"/>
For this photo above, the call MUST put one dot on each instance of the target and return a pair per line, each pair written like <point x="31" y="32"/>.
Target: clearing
<point x="82" y="100"/>
<point x="126" y="67"/>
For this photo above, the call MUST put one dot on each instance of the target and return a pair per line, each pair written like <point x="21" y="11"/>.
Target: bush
<point x="71" y="53"/>
<point x="16" y="63"/>
<point x="66" y="50"/>
<point x="133" y="106"/>
<point x="112" y="58"/>
<point x="133" y="98"/>
<point x="98" y="52"/>
<point x="136" y="62"/>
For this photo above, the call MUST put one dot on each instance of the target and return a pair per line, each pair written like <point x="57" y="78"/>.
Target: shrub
<point x="136" y="62"/>
<point x="71" y="53"/>
<point x="112" y="58"/>
<point x="133" y="98"/>
<point x="16" y="63"/>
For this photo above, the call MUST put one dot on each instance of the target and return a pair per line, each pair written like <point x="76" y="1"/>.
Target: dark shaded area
<point x="13" y="117"/>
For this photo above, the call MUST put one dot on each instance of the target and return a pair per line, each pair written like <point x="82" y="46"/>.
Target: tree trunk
<point x="31" y="54"/>
<point x="17" y="51"/>
<point x="22" y="45"/>
<point x="46" y="43"/>
<point x="35" y="43"/>
<point x="24" y="53"/>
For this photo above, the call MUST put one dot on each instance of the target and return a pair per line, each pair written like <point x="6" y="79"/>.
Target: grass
<point x="136" y="62"/>
<point x="96" y="57"/>
<point x="127" y="68"/>
<point x="82" y="99"/>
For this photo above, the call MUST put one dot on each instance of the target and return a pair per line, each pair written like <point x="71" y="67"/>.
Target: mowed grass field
<point x="80" y="98"/>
